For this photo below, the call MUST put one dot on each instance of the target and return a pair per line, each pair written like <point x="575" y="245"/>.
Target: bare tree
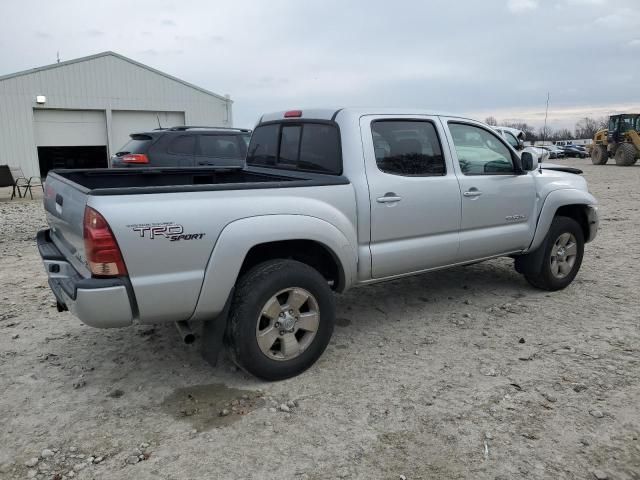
<point x="603" y="122"/>
<point x="491" y="121"/>
<point x="546" y="133"/>
<point x="587" y="127"/>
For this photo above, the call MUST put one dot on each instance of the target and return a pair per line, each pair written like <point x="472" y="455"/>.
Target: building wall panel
<point x="104" y="82"/>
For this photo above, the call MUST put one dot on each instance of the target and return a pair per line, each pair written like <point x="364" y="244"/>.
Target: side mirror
<point x="529" y="162"/>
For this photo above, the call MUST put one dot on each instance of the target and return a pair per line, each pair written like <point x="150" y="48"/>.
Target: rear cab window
<point x="311" y="146"/>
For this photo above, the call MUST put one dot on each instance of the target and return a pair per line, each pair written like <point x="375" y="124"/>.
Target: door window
<point x="480" y="152"/>
<point x="220" y="146"/>
<point x="183" y="145"/>
<point x="407" y="148"/>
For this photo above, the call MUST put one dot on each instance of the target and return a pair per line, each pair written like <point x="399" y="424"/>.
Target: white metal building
<point x="75" y="114"/>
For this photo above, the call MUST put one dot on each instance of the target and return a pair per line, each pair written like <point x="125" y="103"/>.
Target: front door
<point x="414" y="194"/>
<point x="498" y="202"/>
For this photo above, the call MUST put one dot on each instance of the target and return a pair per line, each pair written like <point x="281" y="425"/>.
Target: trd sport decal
<point x="170" y="230"/>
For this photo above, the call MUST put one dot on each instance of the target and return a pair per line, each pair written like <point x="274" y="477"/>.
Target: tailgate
<point x="64" y="203"/>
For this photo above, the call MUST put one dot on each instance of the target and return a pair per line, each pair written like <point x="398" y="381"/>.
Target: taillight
<point x="293" y="114"/>
<point x="101" y="249"/>
<point x="135" y="158"/>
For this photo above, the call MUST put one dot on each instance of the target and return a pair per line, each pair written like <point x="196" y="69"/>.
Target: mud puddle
<point x="214" y="405"/>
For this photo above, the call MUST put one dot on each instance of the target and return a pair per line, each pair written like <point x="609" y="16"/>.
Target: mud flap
<point x="213" y="334"/>
<point x="531" y="263"/>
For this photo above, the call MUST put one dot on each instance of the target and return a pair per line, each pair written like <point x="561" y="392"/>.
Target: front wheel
<point x="599" y="154"/>
<point x="281" y="319"/>
<point x="562" y="257"/>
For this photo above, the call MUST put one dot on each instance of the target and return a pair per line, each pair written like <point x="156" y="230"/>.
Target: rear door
<point x="498" y="201"/>
<point x="414" y="194"/>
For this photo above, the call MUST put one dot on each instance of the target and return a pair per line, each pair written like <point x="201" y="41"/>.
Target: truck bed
<point x="152" y="180"/>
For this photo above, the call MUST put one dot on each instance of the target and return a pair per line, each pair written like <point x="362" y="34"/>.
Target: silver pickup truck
<point x="329" y="199"/>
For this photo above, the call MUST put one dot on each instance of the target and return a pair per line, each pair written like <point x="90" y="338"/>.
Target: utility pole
<point x="546" y="113"/>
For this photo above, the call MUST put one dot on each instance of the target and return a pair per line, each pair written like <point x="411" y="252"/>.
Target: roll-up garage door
<point x="70" y="138"/>
<point x="64" y="128"/>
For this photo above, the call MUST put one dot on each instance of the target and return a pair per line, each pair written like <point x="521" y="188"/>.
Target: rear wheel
<point x="562" y="257"/>
<point x="626" y="155"/>
<point x="281" y="319"/>
<point x="599" y="155"/>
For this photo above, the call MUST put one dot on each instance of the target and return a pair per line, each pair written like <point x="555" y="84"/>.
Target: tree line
<point x="586" y="127"/>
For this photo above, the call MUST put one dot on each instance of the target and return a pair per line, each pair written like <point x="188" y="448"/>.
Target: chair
<point x="24" y="182"/>
<point x="7" y="180"/>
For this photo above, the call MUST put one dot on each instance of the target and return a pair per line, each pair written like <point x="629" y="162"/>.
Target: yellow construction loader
<point x="620" y="141"/>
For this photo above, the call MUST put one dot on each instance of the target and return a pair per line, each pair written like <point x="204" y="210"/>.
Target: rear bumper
<point x="101" y="303"/>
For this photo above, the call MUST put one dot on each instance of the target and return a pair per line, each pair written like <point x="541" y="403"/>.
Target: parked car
<point x="329" y="199"/>
<point x="516" y="138"/>
<point x="554" y="152"/>
<point x="184" y="146"/>
<point x="582" y="148"/>
<point x="573" y="151"/>
<point x="552" y="155"/>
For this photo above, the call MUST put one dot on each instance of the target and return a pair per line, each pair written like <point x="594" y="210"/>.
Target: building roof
<point x="116" y="55"/>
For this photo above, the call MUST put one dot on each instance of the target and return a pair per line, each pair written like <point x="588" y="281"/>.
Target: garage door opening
<point x="72" y="157"/>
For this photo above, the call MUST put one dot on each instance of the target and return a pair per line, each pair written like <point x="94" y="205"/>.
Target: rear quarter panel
<point x="167" y="275"/>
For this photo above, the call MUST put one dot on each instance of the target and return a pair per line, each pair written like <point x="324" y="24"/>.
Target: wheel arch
<point x="578" y="212"/>
<point x="249" y="241"/>
<point x="310" y="252"/>
<point x="571" y="203"/>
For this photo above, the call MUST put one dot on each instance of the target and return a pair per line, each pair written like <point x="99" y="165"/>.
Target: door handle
<point x="472" y="193"/>
<point x="389" y="198"/>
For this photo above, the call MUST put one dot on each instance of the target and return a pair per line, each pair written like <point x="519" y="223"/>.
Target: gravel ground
<point x="468" y="373"/>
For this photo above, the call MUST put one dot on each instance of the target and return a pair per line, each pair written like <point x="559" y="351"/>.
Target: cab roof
<point x="333" y="113"/>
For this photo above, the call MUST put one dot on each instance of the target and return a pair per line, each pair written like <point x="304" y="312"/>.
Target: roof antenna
<point x="158" y="118"/>
<point x="544" y="131"/>
<point x="58" y="56"/>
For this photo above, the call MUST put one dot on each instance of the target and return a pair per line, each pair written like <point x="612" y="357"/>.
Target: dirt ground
<point x="468" y="373"/>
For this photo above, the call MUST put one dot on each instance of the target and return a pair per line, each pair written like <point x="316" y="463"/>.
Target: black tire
<point x="625" y="155"/>
<point x="545" y="278"/>
<point x="253" y="290"/>
<point x="599" y="155"/>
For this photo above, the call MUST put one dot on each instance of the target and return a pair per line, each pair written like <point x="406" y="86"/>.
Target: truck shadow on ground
<point x="139" y="353"/>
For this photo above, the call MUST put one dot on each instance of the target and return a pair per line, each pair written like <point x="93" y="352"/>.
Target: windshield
<point x="630" y="123"/>
<point x="513" y="141"/>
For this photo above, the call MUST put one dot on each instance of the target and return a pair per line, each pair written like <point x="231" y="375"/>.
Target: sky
<point x="471" y="57"/>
